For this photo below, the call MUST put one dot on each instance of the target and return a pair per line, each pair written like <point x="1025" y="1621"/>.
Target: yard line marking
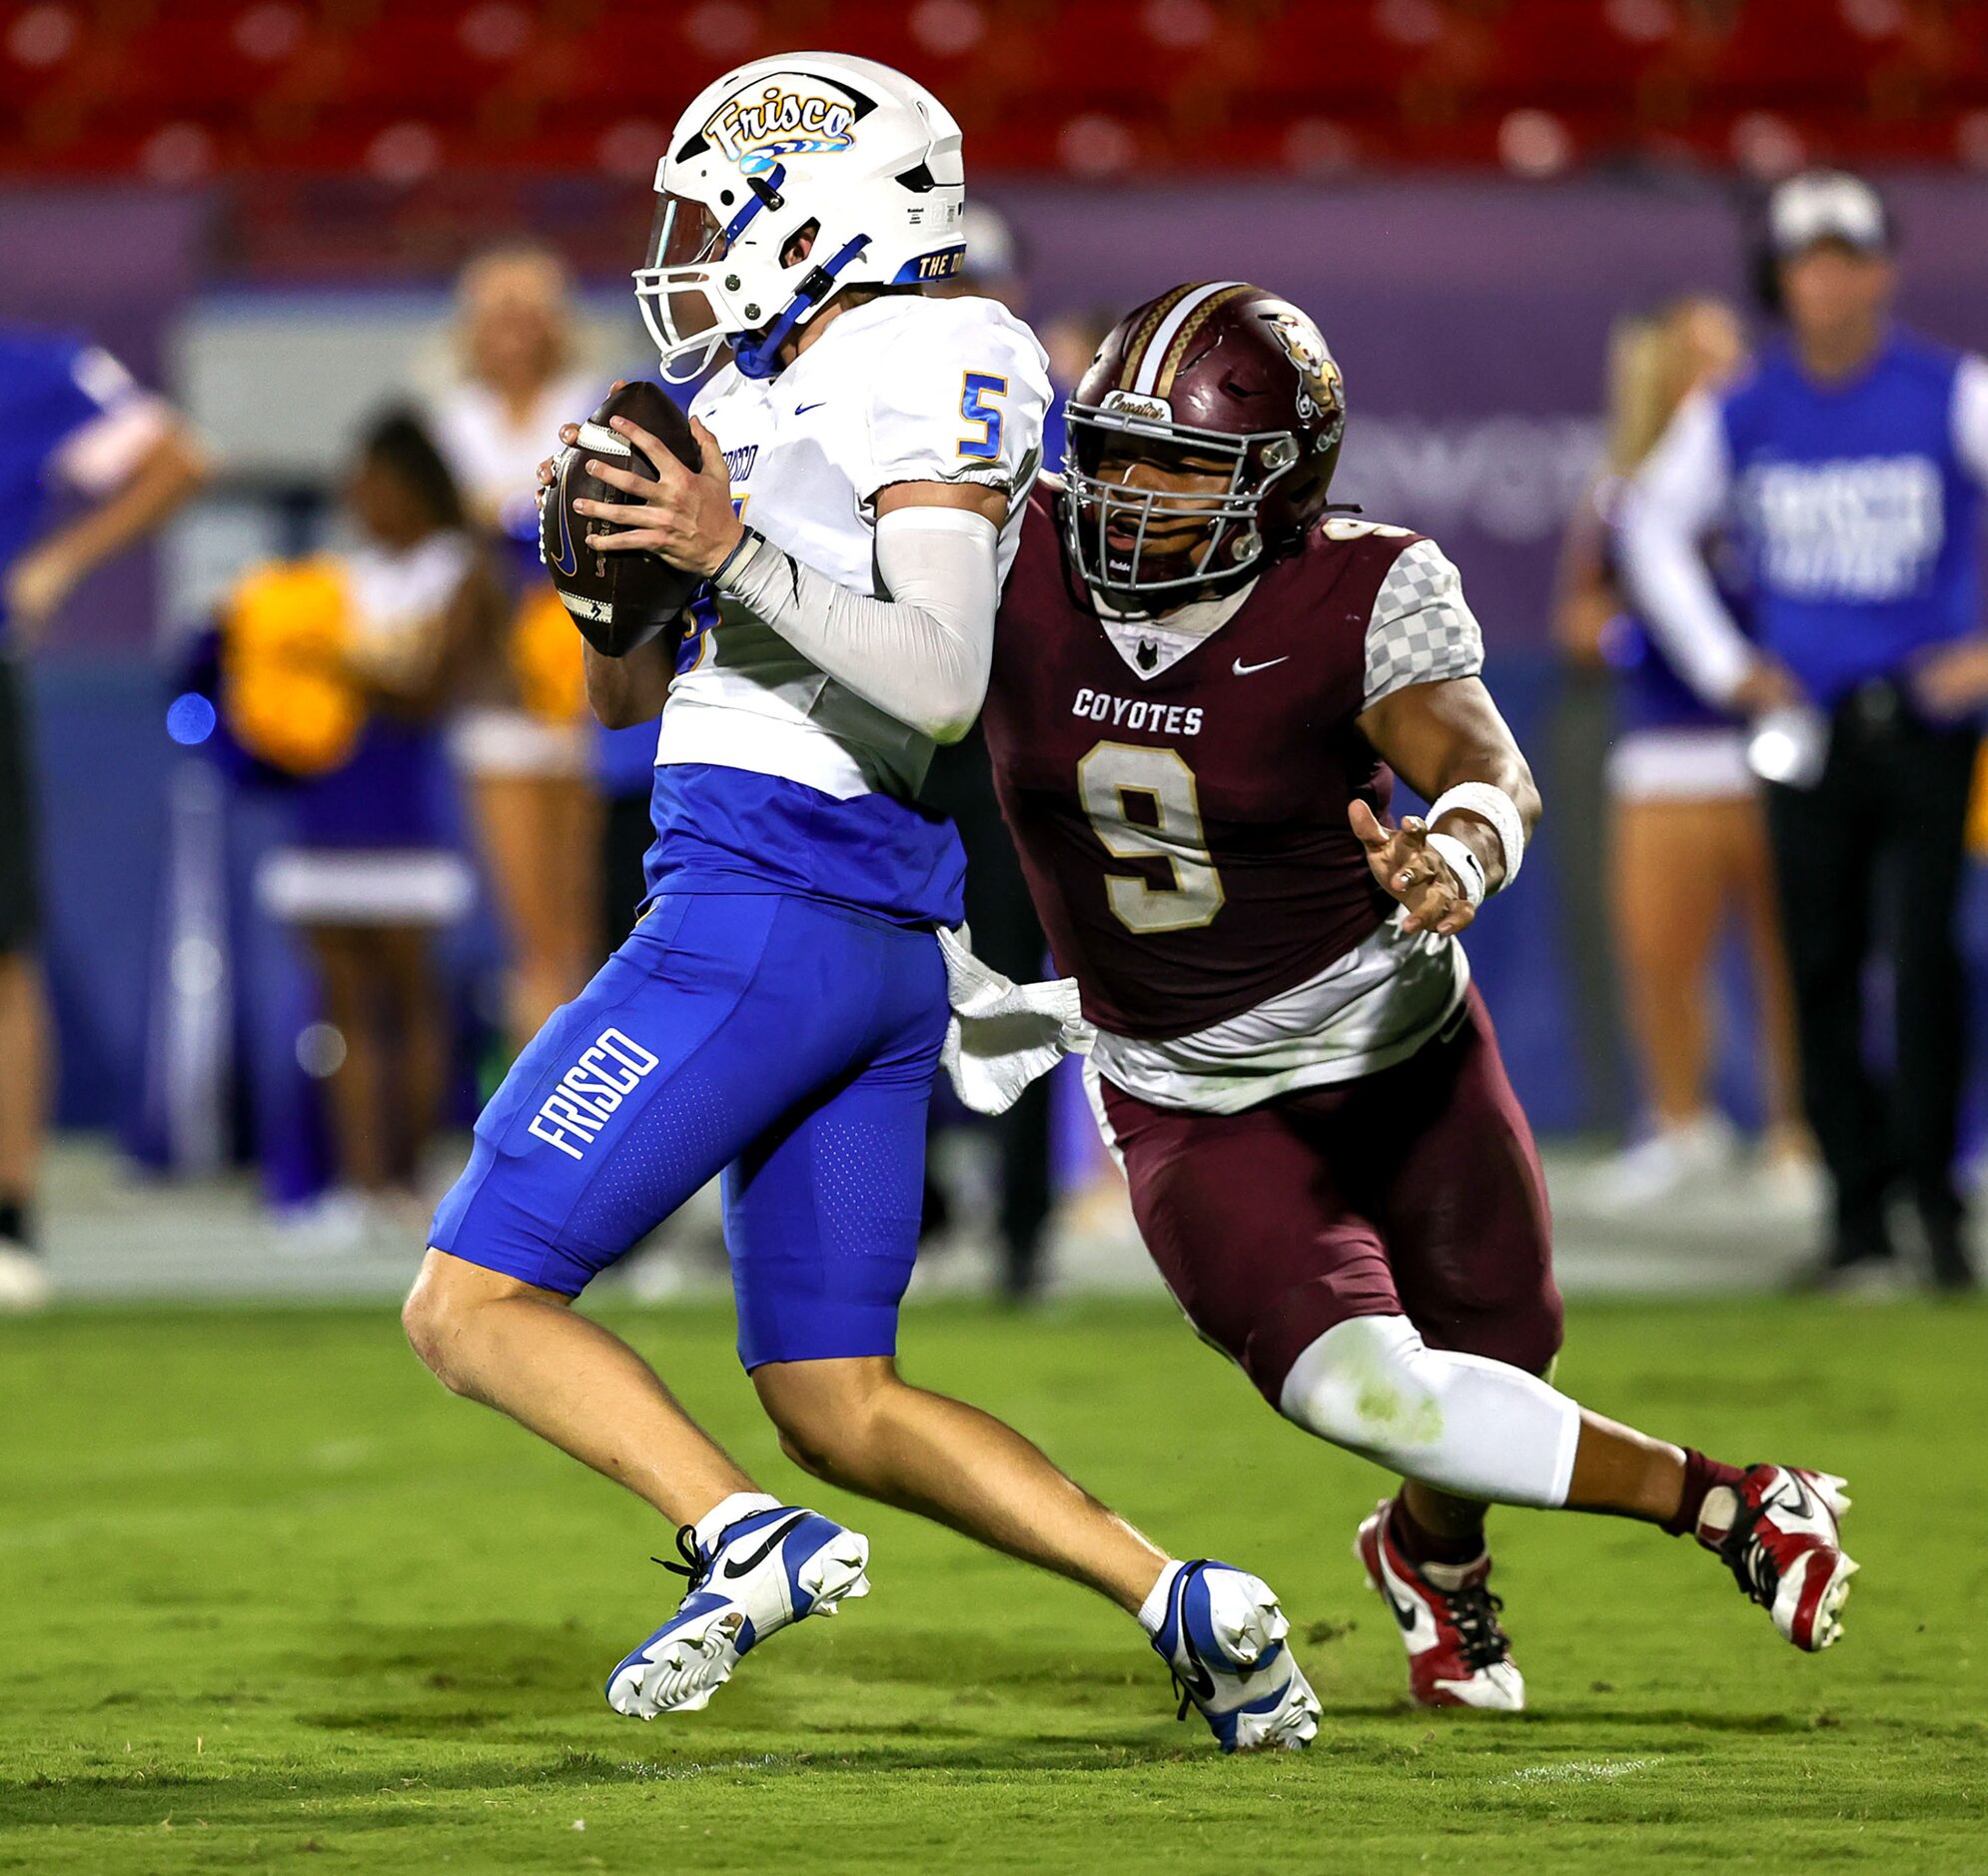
<point x="1577" y="1772"/>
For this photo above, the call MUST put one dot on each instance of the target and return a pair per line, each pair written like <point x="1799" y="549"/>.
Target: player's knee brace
<point x="1458" y="1423"/>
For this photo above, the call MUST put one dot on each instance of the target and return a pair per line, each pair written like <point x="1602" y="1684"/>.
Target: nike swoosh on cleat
<point x="1243" y="670"/>
<point x="1804" y="1506"/>
<point x="734" y="1567"/>
<point x="1406" y="1616"/>
<point x="1201" y="1682"/>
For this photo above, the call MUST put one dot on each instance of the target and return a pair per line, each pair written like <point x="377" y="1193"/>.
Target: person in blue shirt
<point x="72" y="424"/>
<point x="1848" y="466"/>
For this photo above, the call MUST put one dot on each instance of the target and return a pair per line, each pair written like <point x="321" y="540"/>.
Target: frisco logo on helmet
<point x="781" y="123"/>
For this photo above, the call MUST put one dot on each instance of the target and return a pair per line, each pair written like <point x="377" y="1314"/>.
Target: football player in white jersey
<point x="778" y="1014"/>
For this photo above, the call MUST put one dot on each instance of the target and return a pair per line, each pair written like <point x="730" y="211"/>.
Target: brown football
<point x="618" y="601"/>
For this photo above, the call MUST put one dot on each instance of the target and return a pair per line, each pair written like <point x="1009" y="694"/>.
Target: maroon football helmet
<point x="1222" y="384"/>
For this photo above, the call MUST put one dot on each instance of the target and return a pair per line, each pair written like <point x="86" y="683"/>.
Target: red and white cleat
<point x="1781" y="1536"/>
<point x="1458" y="1653"/>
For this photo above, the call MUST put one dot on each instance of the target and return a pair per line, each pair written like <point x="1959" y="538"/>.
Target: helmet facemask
<point x="1157" y="506"/>
<point x="695" y="305"/>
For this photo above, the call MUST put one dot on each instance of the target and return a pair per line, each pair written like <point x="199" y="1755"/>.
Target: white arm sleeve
<point x="1676" y="495"/>
<point x="923" y="652"/>
<point x="1970" y="417"/>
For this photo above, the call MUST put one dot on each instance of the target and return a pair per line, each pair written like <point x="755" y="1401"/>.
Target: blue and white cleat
<point x="1223" y="1641"/>
<point x="765" y="1572"/>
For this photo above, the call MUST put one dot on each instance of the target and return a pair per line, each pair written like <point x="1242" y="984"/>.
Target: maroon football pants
<point x="1413" y="1191"/>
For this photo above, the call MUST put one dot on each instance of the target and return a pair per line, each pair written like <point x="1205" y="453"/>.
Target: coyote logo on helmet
<point x="780" y="123"/>
<point x="1304" y="344"/>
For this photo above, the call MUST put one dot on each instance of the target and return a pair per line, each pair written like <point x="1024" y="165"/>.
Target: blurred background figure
<point x="520" y="734"/>
<point x="73" y="424"/>
<point x="1686" y="837"/>
<point x="1848" y="463"/>
<point x="1072" y="339"/>
<point x="335" y="671"/>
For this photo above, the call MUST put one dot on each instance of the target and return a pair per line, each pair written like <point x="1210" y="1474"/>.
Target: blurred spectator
<point x="1072" y="340"/>
<point x="520" y="736"/>
<point x="334" y="671"/>
<point x="71" y="419"/>
<point x="1848" y="463"/>
<point x="1688" y="849"/>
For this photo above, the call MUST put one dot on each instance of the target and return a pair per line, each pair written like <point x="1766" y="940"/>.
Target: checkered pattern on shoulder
<point x="1421" y="629"/>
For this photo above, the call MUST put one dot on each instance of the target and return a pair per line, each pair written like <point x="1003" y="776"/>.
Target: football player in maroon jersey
<point x="1204" y="681"/>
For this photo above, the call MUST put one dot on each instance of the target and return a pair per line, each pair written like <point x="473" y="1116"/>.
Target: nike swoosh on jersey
<point x="734" y="1567"/>
<point x="1243" y="670"/>
<point x="801" y="410"/>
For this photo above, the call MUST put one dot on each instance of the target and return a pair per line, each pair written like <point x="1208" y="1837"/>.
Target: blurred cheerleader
<point x="333" y="672"/>
<point x="1689" y="850"/>
<point x="520" y="736"/>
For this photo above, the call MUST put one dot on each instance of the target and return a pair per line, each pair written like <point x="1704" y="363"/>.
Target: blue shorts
<point x="787" y="1043"/>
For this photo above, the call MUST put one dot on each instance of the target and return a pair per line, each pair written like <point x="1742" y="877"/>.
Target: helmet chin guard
<point x="786" y="181"/>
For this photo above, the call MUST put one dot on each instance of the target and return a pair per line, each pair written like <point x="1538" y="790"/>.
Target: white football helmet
<point x="865" y="157"/>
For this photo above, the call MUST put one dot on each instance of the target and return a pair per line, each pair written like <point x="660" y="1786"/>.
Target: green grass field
<point x="270" y="1596"/>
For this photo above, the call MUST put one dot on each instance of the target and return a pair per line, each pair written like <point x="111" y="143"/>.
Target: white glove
<point x="1002" y="1034"/>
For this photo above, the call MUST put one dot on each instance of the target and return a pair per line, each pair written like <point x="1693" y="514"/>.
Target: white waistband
<point x="1707" y="765"/>
<point x="730" y="737"/>
<point x="1363" y="1012"/>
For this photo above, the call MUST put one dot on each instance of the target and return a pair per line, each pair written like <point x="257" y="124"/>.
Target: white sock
<point x="1153" y="1612"/>
<point x="729" y="1512"/>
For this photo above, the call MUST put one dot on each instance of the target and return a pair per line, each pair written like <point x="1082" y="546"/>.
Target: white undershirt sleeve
<point x="1970" y="417"/>
<point x="923" y="652"/>
<point x="1680" y="490"/>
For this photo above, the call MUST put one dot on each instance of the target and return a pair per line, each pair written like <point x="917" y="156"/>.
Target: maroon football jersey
<point x="1184" y="834"/>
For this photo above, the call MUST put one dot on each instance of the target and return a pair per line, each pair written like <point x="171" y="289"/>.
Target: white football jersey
<point x="903" y="388"/>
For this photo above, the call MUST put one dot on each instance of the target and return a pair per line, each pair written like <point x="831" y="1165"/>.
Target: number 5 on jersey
<point x="975" y="388"/>
<point x="1110" y="773"/>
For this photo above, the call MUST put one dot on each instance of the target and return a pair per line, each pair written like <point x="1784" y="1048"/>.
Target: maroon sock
<point x="1425" y="1546"/>
<point x="1700" y="1476"/>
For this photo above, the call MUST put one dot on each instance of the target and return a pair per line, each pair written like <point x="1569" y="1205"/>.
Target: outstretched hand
<point x="1410" y="871"/>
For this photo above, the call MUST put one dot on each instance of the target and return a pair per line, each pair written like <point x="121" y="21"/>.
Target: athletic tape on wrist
<point x="1470" y="870"/>
<point x="1495" y="806"/>
<point x="736" y="561"/>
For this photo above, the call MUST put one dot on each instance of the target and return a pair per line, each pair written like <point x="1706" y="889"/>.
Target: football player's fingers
<point x="667" y="469"/>
<point x="624" y="479"/>
<point x="1366" y="825"/>
<point x="622" y="514"/>
<point x="1408" y="865"/>
<point x="632" y="540"/>
<point x="711" y="455"/>
<point x="548" y="474"/>
<point x="569" y="434"/>
<point x="1428" y="903"/>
